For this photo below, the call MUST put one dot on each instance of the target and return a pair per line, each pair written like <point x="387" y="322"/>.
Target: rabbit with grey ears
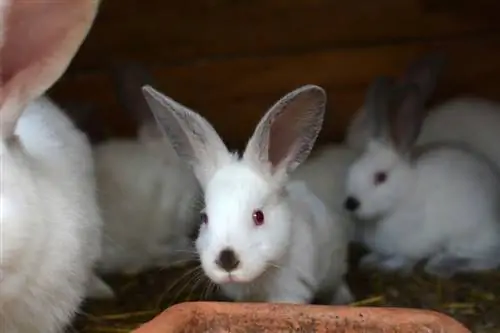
<point x="50" y="222"/>
<point x="263" y="237"/>
<point x="148" y="195"/>
<point x="475" y="121"/>
<point x="436" y="203"/>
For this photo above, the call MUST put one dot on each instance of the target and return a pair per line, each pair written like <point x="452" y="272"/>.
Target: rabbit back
<point x="472" y="121"/>
<point x="56" y="240"/>
<point x="147" y="202"/>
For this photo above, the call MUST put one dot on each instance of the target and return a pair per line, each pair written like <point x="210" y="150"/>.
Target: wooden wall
<point x="231" y="59"/>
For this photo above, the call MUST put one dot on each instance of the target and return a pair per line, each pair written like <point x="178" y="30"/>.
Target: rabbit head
<point x="38" y="39"/>
<point x="384" y="171"/>
<point x="424" y="73"/>
<point x="246" y="222"/>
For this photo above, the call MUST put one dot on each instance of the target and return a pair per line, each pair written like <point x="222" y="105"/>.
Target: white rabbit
<point x="473" y="121"/>
<point x="49" y="218"/>
<point x="437" y="201"/>
<point x="148" y="195"/>
<point x="325" y="172"/>
<point x="263" y="238"/>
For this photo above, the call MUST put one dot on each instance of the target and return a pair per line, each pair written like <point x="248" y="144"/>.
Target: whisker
<point x="199" y="281"/>
<point x="167" y="290"/>
<point x="186" y="284"/>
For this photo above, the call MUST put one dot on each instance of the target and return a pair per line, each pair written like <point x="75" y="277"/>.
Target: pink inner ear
<point x="40" y="38"/>
<point x="283" y="134"/>
<point x="289" y="128"/>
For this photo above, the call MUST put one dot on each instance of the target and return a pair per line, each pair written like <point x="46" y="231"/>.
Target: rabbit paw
<point x="396" y="263"/>
<point x="98" y="289"/>
<point x="387" y="263"/>
<point x="446" y="266"/>
<point x="342" y="295"/>
<point x="371" y="261"/>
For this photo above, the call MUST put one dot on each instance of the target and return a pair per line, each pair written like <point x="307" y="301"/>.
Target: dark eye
<point x="258" y="217"/>
<point x="380" y="177"/>
<point x="204" y="218"/>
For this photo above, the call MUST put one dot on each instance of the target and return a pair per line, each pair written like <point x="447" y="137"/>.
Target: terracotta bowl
<point x="262" y="317"/>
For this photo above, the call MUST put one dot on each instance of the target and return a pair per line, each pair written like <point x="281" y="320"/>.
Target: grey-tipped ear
<point x="376" y="106"/>
<point x="286" y="134"/>
<point x="191" y="135"/>
<point x="406" y="116"/>
<point x="425" y="72"/>
<point x="128" y="79"/>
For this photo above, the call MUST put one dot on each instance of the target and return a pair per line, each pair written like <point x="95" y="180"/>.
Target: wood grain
<point x="234" y="93"/>
<point x="174" y="32"/>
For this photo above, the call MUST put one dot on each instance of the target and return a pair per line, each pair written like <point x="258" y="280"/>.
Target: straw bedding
<point x="473" y="299"/>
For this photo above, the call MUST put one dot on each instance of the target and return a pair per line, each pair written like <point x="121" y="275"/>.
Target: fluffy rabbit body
<point x="263" y="237"/>
<point x="473" y="121"/>
<point x="325" y="172"/>
<point x="148" y="205"/>
<point x="436" y="202"/>
<point x="50" y="223"/>
<point x="148" y="195"/>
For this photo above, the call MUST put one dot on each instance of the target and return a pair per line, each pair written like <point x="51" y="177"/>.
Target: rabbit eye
<point x="258" y="217"/>
<point x="380" y="177"/>
<point x="204" y="218"/>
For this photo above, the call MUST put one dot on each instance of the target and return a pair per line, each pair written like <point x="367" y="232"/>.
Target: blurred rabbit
<point x="473" y="121"/>
<point x="49" y="218"/>
<point x="436" y="202"/>
<point x="148" y="196"/>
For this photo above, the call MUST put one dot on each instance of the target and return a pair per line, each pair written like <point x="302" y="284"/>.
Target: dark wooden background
<point x="231" y="59"/>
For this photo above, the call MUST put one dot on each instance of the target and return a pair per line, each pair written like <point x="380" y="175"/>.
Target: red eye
<point x="379" y="178"/>
<point x="204" y="218"/>
<point x="258" y="217"/>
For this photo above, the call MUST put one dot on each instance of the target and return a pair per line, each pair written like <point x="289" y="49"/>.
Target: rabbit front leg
<point x="387" y="263"/>
<point x="291" y="288"/>
<point x="98" y="289"/>
<point x="445" y="265"/>
<point x="342" y="295"/>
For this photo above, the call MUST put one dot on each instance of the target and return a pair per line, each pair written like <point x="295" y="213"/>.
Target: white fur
<point x="148" y="203"/>
<point x="300" y="250"/>
<point x="444" y="208"/>
<point x="281" y="261"/>
<point x="473" y="121"/>
<point x="50" y="224"/>
<point x="325" y="174"/>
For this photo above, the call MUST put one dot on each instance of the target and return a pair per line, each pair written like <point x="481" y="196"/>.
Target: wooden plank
<point x="233" y="94"/>
<point x="183" y="31"/>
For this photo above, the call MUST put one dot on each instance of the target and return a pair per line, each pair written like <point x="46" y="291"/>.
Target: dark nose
<point x="228" y="260"/>
<point x="351" y="204"/>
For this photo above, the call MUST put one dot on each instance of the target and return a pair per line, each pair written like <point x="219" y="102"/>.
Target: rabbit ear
<point x="286" y="134"/>
<point x="191" y="135"/>
<point x="424" y="73"/>
<point x="39" y="40"/>
<point x="128" y="79"/>
<point x="406" y="115"/>
<point x="376" y="106"/>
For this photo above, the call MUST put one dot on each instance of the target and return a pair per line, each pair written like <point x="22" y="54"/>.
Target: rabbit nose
<point x="228" y="260"/>
<point x="351" y="204"/>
